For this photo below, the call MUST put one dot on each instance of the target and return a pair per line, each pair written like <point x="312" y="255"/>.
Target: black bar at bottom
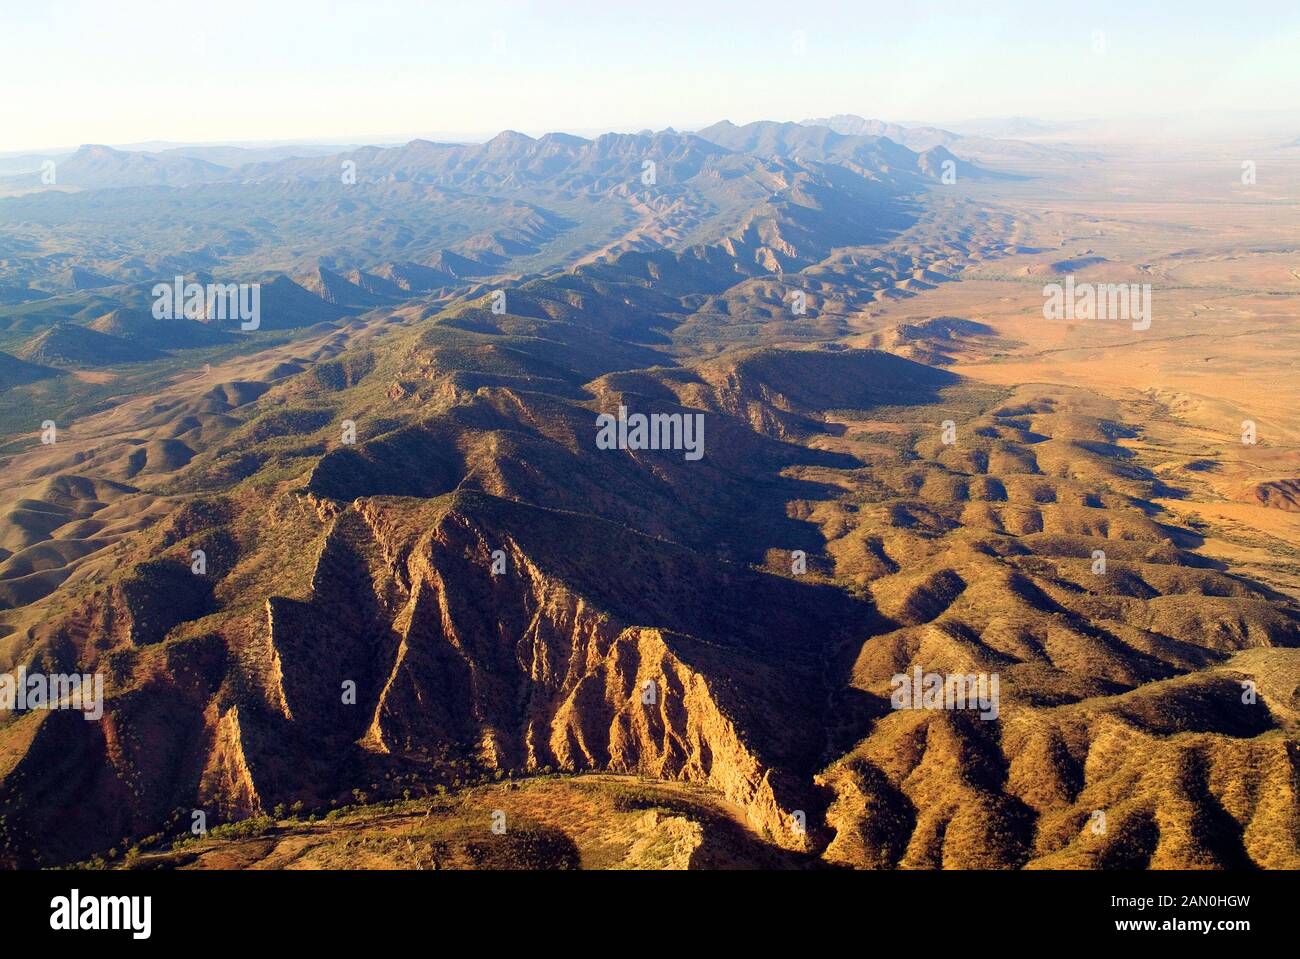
<point x="944" y="908"/>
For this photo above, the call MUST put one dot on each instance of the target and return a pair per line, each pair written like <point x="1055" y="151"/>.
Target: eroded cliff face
<point x="227" y="785"/>
<point x="459" y="640"/>
<point x="451" y="630"/>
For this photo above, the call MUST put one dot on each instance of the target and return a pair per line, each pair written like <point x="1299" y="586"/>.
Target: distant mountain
<point x="766" y="137"/>
<point x="233" y="157"/>
<point x="10" y="295"/>
<point x="100" y="167"/>
<point x="74" y="279"/>
<point x="914" y="138"/>
<point x="508" y="160"/>
<point x="66" y="344"/>
<point x="339" y="290"/>
<point x="376" y="285"/>
<point x="512" y="205"/>
<point x="986" y="150"/>
<point x="407" y="277"/>
<point x="869" y="153"/>
<point x="454" y="265"/>
<point x="95" y="327"/>
<point x="140" y="326"/>
<point x="286" y="305"/>
<point x="16" y="372"/>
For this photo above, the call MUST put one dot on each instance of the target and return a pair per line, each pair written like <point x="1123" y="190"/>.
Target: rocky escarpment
<point x="451" y="633"/>
<point x="469" y="637"/>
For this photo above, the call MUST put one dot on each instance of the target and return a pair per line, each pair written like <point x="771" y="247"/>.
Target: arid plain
<point x="1222" y="349"/>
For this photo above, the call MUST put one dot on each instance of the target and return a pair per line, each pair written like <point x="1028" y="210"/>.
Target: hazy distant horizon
<point x="169" y="72"/>
<point x="1083" y="129"/>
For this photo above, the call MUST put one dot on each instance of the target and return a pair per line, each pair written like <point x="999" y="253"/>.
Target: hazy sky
<point x="223" y="70"/>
